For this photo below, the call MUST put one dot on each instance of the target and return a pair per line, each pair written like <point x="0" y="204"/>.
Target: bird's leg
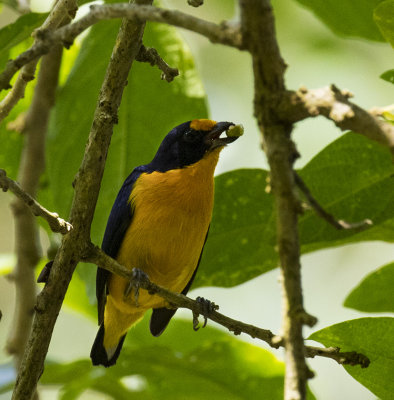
<point x="206" y="308"/>
<point x="44" y="274"/>
<point x="135" y="283"/>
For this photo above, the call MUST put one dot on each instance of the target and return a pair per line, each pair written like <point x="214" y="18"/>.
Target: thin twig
<point x="95" y="255"/>
<point x="334" y="104"/>
<point x="56" y="223"/>
<point x="216" y="33"/>
<point x="151" y="56"/>
<point x="321" y="212"/>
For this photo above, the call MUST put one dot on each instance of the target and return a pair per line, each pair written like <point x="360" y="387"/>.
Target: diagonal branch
<point x="321" y="212"/>
<point x="87" y="186"/>
<point x="334" y="104"/>
<point x="56" y="223"/>
<point x="216" y="33"/>
<point x="96" y="256"/>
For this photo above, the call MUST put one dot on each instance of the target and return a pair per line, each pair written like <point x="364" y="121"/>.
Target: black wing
<point x="119" y="220"/>
<point x="162" y="316"/>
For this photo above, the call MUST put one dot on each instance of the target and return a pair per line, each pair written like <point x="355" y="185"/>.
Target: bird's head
<point x="191" y="141"/>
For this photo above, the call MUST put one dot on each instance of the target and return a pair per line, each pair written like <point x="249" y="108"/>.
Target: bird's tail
<point x="101" y="355"/>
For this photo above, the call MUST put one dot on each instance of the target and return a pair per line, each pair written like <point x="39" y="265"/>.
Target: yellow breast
<point x="172" y="213"/>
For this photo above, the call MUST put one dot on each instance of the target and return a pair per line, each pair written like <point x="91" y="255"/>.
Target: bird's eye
<point x="191" y="136"/>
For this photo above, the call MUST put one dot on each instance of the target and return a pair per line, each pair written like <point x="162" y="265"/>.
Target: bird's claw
<point x="135" y="283"/>
<point x="206" y="308"/>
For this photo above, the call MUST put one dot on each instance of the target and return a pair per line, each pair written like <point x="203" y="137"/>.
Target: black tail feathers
<point x="98" y="353"/>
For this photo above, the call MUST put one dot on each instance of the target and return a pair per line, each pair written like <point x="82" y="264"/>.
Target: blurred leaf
<point x="375" y="293"/>
<point x="10" y="3"/>
<point x="388" y="76"/>
<point x="347" y="17"/>
<point x="150" y="108"/>
<point x="384" y="18"/>
<point x="20" y="30"/>
<point x="372" y="337"/>
<point x="77" y="298"/>
<point x="180" y="364"/>
<point x="351" y="178"/>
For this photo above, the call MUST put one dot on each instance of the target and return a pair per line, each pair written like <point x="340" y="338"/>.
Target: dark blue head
<point x="188" y="143"/>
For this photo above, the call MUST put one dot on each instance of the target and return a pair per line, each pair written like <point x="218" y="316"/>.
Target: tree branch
<point x="257" y="22"/>
<point x="56" y="223"/>
<point x="27" y="242"/>
<point x="62" y="13"/>
<point x="151" y="56"/>
<point x="216" y="33"/>
<point x="321" y="212"/>
<point x="95" y="255"/>
<point x="87" y="186"/>
<point x="334" y="104"/>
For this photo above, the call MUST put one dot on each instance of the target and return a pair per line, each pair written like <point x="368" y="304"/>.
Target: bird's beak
<point x="213" y="138"/>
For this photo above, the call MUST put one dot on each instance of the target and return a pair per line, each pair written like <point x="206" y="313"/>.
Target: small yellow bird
<point x="159" y="224"/>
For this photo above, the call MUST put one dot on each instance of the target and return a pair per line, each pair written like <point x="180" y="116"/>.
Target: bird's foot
<point x="135" y="283"/>
<point x="44" y="274"/>
<point x="206" y="308"/>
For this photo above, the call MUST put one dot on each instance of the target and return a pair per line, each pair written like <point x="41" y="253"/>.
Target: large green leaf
<point x="181" y="364"/>
<point x="347" y="17"/>
<point x="384" y="18"/>
<point x="375" y="293"/>
<point x="150" y="108"/>
<point x="351" y="178"/>
<point x="372" y="337"/>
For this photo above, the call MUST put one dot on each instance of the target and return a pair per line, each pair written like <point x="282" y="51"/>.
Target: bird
<point x="159" y="224"/>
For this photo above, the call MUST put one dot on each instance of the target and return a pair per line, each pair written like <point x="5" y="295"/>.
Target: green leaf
<point x="20" y="30"/>
<point x="375" y="292"/>
<point x="372" y="337"/>
<point x="347" y="17"/>
<point x="77" y="297"/>
<point x="388" y="76"/>
<point x="384" y="18"/>
<point x="150" y="108"/>
<point x="351" y="178"/>
<point x="180" y="364"/>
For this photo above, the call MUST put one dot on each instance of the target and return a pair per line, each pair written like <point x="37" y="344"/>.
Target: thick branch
<point x="66" y="35"/>
<point x="87" y="185"/>
<point x="96" y="256"/>
<point x="27" y="242"/>
<point x="258" y="32"/>
<point x="62" y="13"/>
<point x="56" y="223"/>
<point x="334" y="104"/>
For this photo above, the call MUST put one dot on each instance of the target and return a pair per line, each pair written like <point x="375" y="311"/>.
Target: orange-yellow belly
<point x="172" y="213"/>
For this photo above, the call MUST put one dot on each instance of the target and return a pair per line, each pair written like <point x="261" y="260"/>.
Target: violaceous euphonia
<point x="159" y="224"/>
